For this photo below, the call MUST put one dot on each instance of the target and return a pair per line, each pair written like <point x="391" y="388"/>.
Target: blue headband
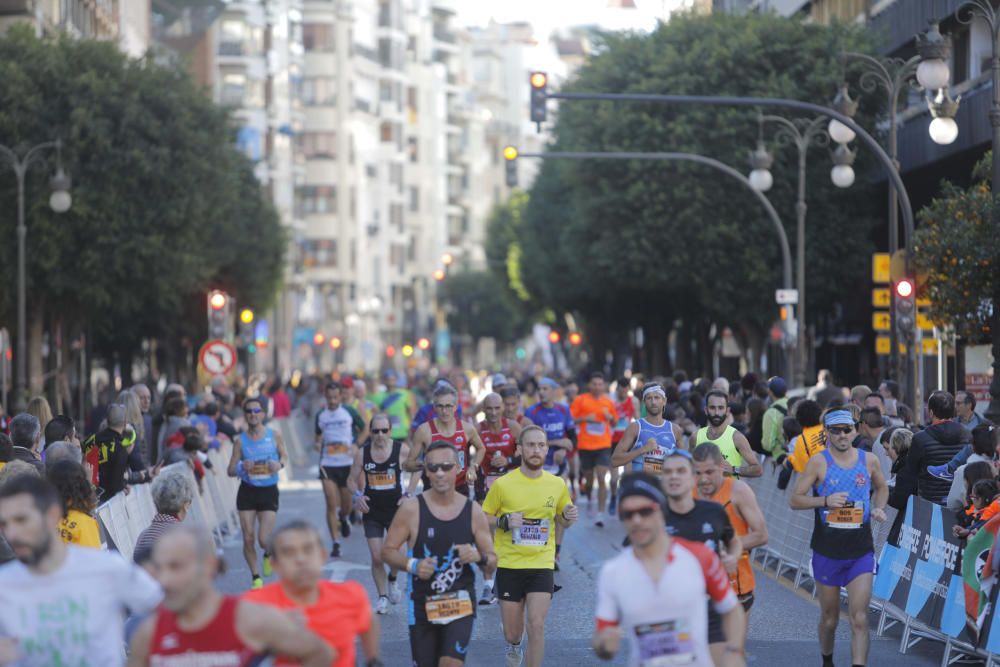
<point x="548" y="382"/>
<point x="838" y="418"/>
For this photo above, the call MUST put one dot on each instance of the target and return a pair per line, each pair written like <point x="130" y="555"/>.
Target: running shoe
<point x="599" y="521"/>
<point x="940" y="472"/>
<point x="257" y="583"/>
<point x="488" y="597"/>
<point x="335" y="552"/>
<point x="514" y="655"/>
<point x="266" y="570"/>
<point x="394" y="595"/>
<point x="345" y="528"/>
<point x="382" y="606"/>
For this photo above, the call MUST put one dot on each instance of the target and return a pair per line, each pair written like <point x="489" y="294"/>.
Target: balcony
<point x="13" y="7"/>
<point x="232" y="49"/>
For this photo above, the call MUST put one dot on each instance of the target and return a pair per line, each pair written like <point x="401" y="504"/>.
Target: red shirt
<point x="340" y="614"/>
<point x="460" y="441"/>
<point x="218" y="641"/>
<point x="502" y="442"/>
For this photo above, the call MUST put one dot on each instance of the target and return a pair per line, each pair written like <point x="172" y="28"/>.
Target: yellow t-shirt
<point x="539" y="500"/>
<point x="80" y="529"/>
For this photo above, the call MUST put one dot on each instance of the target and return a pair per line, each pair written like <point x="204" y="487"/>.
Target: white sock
<point x="488" y="582"/>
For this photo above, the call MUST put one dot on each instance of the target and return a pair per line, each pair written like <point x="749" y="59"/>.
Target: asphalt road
<point x="782" y="622"/>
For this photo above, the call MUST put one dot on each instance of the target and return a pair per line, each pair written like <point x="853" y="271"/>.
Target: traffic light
<point x="335" y="343"/>
<point x="575" y="338"/>
<point x="424" y="343"/>
<point x="539" y="96"/>
<point x="390" y="351"/>
<point x="906" y="307"/>
<point x="246" y="331"/>
<point x="219" y="316"/>
<point x="554" y="337"/>
<point x="510" y="158"/>
<point x="318" y="338"/>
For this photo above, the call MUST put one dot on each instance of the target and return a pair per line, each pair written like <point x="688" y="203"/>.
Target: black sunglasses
<point x="255" y="411"/>
<point x="842" y="430"/>
<point x="435" y="467"/>
<point x="380" y="430"/>
<point x="644" y="512"/>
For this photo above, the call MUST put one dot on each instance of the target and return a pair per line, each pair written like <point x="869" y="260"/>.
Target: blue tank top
<point x="666" y="443"/>
<point x="259" y="452"/>
<point x="844" y="532"/>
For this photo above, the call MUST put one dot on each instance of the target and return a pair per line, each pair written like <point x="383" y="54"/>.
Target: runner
<point x="595" y="413"/>
<point x="197" y="625"/>
<point x="355" y="394"/>
<point x="511" y="397"/>
<point x="445" y="532"/>
<point x="647" y="440"/>
<point x="258" y="455"/>
<point x="338" y="428"/>
<point x="655" y="592"/>
<point x="843" y="550"/>
<point x="444" y="426"/>
<point x="523" y="505"/>
<point x="627" y="408"/>
<point x="570" y="390"/>
<point x="339" y="613"/>
<point x="704" y="521"/>
<point x="744" y="514"/>
<point x="740" y="459"/>
<point x="559" y="427"/>
<point x="398" y="403"/>
<point x="377" y="471"/>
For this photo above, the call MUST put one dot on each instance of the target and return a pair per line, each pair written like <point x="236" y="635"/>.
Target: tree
<point x="481" y="309"/>
<point x="954" y="249"/>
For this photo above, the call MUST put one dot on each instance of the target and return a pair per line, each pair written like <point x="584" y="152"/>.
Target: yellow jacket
<point x="811" y="442"/>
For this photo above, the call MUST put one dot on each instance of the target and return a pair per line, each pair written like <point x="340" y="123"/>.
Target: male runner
<point x="398" y="403"/>
<point x="594" y="412"/>
<point x="375" y="481"/>
<point x="511" y="397"/>
<point x="655" y="592"/>
<point x="196" y="625"/>
<point x="627" y="407"/>
<point x="570" y="390"/>
<point x="258" y="455"/>
<point x="339" y="613"/>
<point x="842" y="480"/>
<point x="744" y="514"/>
<point x="523" y="505"/>
<point x="444" y="426"/>
<point x="446" y="532"/>
<point x="740" y="459"/>
<point x="338" y="427"/>
<point x="700" y="521"/>
<point x="647" y="440"/>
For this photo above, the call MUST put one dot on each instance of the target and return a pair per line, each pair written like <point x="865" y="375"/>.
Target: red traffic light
<point x="318" y="338"/>
<point x="575" y="338"/>
<point x="217" y="300"/>
<point x="390" y="351"/>
<point x="904" y="289"/>
<point x="423" y="343"/>
<point x="554" y="337"/>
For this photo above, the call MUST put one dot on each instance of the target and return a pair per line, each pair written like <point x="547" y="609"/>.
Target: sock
<point x="828" y="660"/>
<point x="488" y="582"/>
<point x="392" y="577"/>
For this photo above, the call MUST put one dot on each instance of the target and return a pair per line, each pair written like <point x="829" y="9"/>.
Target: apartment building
<point x="124" y="21"/>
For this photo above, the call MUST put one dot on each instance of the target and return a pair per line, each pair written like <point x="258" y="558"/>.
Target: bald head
<point x="493" y="408"/>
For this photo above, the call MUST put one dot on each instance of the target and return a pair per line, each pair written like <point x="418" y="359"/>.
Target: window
<point x="233" y="89"/>
<point x="320" y="253"/>
<point x="386" y="91"/>
<point x="318" y="36"/>
<point x="412" y="149"/>
<point x="320" y="199"/>
<point x="396" y="216"/>
<point x="318" y="144"/>
<point x="231" y="37"/>
<point x="414" y="199"/>
<point x="319" y="91"/>
<point x="387" y="132"/>
<point x="396" y="174"/>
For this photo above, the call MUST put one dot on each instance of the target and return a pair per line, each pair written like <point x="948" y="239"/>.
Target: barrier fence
<point x="919" y="584"/>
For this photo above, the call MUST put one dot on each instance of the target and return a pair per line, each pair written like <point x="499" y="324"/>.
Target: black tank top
<point x="382" y="484"/>
<point x="437" y="539"/>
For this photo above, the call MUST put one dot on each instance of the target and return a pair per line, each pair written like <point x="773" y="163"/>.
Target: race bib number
<point x="382" y="480"/>
<point x="339" y="449"/>
<point x="652" y="464"/>
<point x="259" y="470"/>
<point x="665" y="644"/>
<point x="448" y="607"/>
<point x="596" y="428"/>
<point x="532" y="533"/>
<point x="847" y="517"/>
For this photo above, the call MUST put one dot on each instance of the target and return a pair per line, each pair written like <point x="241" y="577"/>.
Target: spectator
<point x="965" y="411"/>
<point x="905" y="482"/>
<point x="281" y="406"/>
<point x="935" y="445"/>
<point x="25" y="433"/>
<point x="108" y="453"/>
<point x="134" y="422"/>
<point x="870" y="427"/>
<point x="6" y="450"/>
<point x="172" y="497"/>
<point x="889" y="391"/>
<point x="812" y="440"/>
<point x="78" y="526"/>
<point x="741" y="418"/>
<point x="825" y="392"/>
<point x="906" y="414"/>
<point x="772" y="437"/>
<point x="983" y="449"/>
<point x="40" y="409"/>
<point x="173" y="391"/>
<point x="62" y="451"/>
<point x="859" y="393"/>
<point x="755" y="424"/>
<point x="145" y="397"/>
<point x="60" y="429"/>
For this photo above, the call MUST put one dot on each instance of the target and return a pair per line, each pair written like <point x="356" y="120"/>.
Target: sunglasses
<point x="444" y="406"/>
<point x="255" y="411"/>
<point x="376" y="431"/>
<point x="644" y="512"/>
<point x="435" y="467"/>
<point x="841" y="430"/>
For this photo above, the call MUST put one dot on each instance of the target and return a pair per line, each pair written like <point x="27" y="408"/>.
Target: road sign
<point x="883" y="345"/>
<point x="929" y="346"/>
<point x="880" y="321"/>
<point x="924" y="323"/>
<point x="923" y="302"/>
<point x="786" y="297"/>
<point x="217" y="357"/>
<point x="881" y="297"/>
<point x="880" y="267"/>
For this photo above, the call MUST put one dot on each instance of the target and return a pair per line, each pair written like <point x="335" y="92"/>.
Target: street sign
<point x="883" y="345"/>
<point x="929" y="346"/>
<point x="217" y="357"/>
<point x="880" y="321"/>
<point x="880" y="268"/>
<point x="923" y="302"/>
<point x="786" y="297"/>
<point x="881" y="297"/>
<point x="924" y="323"/>
<point x="898" y="265"/>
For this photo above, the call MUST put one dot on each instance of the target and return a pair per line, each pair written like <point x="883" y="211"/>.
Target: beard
<point x="532" y="466"/>
<point x="36" y="553"/>
<point x="716" y="420"/>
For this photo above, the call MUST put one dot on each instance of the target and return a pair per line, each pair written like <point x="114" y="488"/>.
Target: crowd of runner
<point x="452" y="479"/>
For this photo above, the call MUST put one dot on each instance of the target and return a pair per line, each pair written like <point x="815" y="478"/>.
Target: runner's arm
<point x="138" y="650"/>
<point x="623" y="453"/>
<point x="356" y="480"/>
<point x="608" y="634"/>
<point x="880" y="497"/>
<point x="476" y="442"/>
<point x="746" y="505"/>
<point x="679" y="436"/>
<point x="282" y="452"/>
<point x="481" y="533"/>
<point x="237" y="455"/>
<point x="751" y="467"/>
<point x="369" y="638"/>
<point x="420" y="438"/>
<point x="269" y="629"/>
<point x="359" y="423"/>
<point x="398" y="535"/>
<point x="800" y="498"/>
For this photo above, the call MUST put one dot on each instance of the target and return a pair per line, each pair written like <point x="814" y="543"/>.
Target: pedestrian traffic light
<point x="220" y="325"/>
<point x="510" y="158"/>
<point x="575" y="338"/>
<point x="407" y="350"/>
<point x="906" y="307"/>
<point x="246" y="316"/>
<point x="539" y="96"/>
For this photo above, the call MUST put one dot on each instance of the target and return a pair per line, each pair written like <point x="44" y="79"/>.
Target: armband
<point x="411" y="565"/>
<point x="358" y="493"/>
<point x="503" y="523"/>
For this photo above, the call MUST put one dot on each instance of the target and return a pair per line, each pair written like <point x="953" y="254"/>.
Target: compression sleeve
<point x="716" y="579"/>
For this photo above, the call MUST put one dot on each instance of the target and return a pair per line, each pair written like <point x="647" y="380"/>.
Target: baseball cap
<point x="499" y="379"/>
<point x="777" y="385"/>
<point x="641" y="484"/>
<point x="347" y="382"/>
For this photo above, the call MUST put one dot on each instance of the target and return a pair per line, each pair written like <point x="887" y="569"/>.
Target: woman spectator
<point x="172" y="496"/>
<point x="39" y="407"/>
<point x="755" y="422"/>
<point x="906" y="482"/>
<point x="78" y="526"/>
<point x="983" y="450"/>
<point x="175" y="413"/>
<point x="983" y="506"/>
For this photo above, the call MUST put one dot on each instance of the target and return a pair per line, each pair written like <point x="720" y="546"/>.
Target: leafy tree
<point x="954" y="248"/>
<point x="480" y="309"/>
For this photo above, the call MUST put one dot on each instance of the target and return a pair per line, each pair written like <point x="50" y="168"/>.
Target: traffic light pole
<point x="786" y="253"/>
<point x="862" y="134"/>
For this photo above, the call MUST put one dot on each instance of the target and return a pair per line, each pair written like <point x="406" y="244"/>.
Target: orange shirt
<point x="593" y="435"/>
<point x="341" y="613"/>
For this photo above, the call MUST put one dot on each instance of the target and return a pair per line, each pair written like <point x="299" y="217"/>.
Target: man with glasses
<point x="841" y="480"/>
<point x="524" y="505"/>
<point x="338" y="427"/>
<point x="258" y="455"/>
<point x="445" y="427"/>
<point x="654" y="595"/>
<point x="445" y="533"/>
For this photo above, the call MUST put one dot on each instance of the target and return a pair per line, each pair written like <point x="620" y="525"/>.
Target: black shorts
<point x="512" y="585"/>
<point x="336" y="474"/>
<point x="429" y="642"/>
<point x="252" y="498"/>
<point x="377" y="522"/>
<point x="746" y="600"/>
<point x="715" y="633"/>
<point x="592" y="458"/>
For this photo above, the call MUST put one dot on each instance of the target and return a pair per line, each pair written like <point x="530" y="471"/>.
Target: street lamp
<point x="943" y="129"/>
<point x="842" y="173"/>
<point x="760" y="177"/>
<point x="843" y="103"/>
<point x="933" y="51"/>
<point x="59" y="201"/>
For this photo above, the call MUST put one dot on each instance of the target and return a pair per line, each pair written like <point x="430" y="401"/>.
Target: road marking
<point x="339" y="568"/>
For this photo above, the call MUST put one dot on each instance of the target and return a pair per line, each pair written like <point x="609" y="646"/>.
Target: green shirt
<point x="773" y="438"/>
<point x="396" y="404"/>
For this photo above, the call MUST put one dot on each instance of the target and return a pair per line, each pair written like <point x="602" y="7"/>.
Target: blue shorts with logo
<point x="839" y="573"/>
